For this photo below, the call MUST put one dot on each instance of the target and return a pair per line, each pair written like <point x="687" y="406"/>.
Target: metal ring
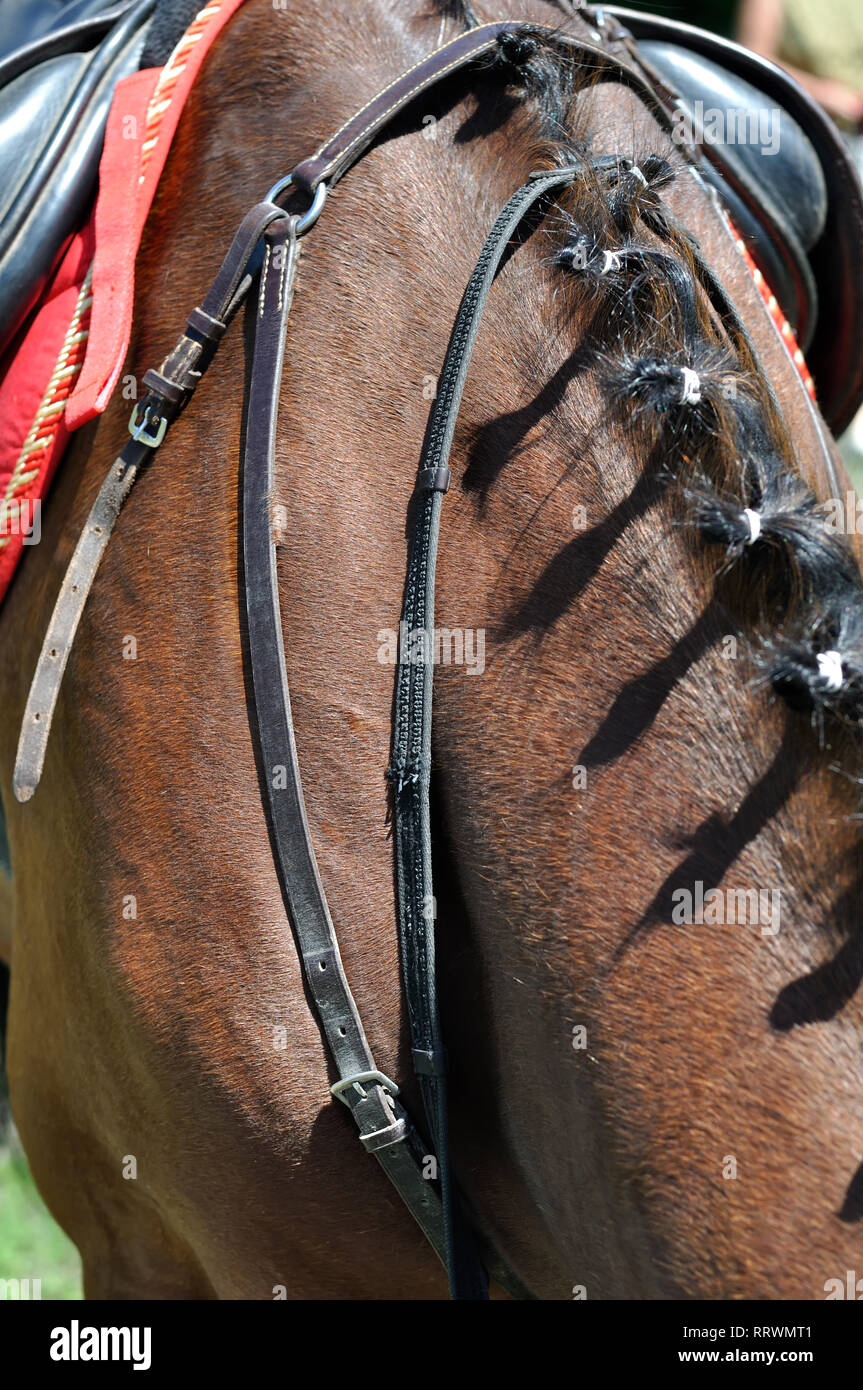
<point x="309" y="218"/>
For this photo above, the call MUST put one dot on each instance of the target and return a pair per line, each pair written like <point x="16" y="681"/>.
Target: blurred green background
<point x="32" y="1245"/>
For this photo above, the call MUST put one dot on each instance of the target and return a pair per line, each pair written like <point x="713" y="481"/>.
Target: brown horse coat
<point x="168" y="1075"/>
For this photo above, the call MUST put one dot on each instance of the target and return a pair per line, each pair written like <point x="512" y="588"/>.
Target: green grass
<point x="32" y="1245"/>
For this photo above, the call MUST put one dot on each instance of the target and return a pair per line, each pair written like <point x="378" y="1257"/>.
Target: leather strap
<point x="410" y="767"/>
<point x="333" y="159"/>
<point x="343" y="149"/>
<point x="170" y="388"/>
<point x="168" y="391"/>
<point x="384" y="1126"/>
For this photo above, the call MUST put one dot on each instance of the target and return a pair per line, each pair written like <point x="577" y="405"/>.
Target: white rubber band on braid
<point x="830" y="669"/>
<point x="639" y="175"/>
<point x="691" y="391"/>
<point x="611" y="262"/>
<point x="754" y="520"/>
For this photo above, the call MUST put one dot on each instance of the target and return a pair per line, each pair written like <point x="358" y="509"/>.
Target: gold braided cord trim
<point x="160" y="101"/>
<point x="775" y="311"/>
<point x="43" y="430"/>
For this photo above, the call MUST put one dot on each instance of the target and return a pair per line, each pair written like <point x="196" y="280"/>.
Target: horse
<point x="651" y="1096"/>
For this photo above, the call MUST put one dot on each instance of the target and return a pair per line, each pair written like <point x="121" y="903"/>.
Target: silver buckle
<point x="138" y="430"/>
<point x="377" y="1077"/>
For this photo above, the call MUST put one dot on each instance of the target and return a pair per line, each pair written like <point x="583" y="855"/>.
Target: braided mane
<point x="675" y="365"/>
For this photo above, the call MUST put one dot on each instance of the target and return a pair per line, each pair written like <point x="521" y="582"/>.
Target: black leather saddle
<point x="790" y="187"/>
<point x="59" y="64"/>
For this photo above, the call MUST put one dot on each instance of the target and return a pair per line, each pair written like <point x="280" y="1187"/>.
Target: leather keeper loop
<point x="208" y="327"/>
<point x="396" y="1133"/>
<point x="433" y="479"/>
<point x="164" y="387"/>
<point x="428" y="1062"/>
<point x="307" y="175"/>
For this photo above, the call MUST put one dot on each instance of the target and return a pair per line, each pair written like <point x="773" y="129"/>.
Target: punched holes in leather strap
<point x="433" y="479"/>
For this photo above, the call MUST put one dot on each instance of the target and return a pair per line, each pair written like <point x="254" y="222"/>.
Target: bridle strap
<point x="333" y="159"/>
<point x="336" y="156"/>
<point x="410" y="767"/>
<point x="383" y="1124"/>
<point x="168" y="391"/>
<point x="170" y="388"/>
<point x="385" y="1129"/>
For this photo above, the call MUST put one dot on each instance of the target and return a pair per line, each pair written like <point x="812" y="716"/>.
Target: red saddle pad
<point x="62" y="367"/>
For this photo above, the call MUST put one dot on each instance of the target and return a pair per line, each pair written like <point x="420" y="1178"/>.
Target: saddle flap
<point x="762" y="144"/>
<point x="54" y="103"/>
<point x="835" y="351"/>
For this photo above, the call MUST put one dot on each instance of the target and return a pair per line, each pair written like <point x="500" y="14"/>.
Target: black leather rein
<point x="384" y="1127"/>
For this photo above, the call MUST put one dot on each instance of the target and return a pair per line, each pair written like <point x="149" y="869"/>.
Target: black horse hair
<point x="672" y="370"/>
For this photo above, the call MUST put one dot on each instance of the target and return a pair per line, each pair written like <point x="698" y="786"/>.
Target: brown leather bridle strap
<point x="336" y="156"/>
<point x="384" y="1127"/>
<point x="169" y="389"/>
<point x="333" y="159"/>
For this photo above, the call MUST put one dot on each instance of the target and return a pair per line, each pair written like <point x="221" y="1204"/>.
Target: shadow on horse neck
<point x="644" y="781"/>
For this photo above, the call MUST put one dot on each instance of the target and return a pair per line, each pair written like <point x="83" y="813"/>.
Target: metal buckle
<point x="138" y="430"/>
<point x="309" y="218"/>
<point x="357" y="1079"/>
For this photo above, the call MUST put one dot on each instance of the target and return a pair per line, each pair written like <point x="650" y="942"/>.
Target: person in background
<point x="821" y="44"/>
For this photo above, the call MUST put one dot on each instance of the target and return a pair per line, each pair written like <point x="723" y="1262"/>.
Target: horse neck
<point x="602" y="657"/>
